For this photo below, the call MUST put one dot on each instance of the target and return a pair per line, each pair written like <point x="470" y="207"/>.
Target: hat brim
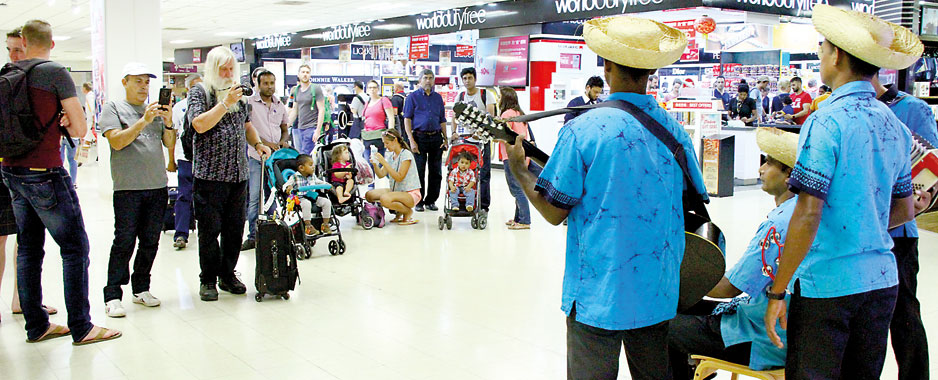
<point x="671" y="43"/>
<point x="151" y="75"/>
<point x="778" y="144"/>
<point x="857" y="33"/>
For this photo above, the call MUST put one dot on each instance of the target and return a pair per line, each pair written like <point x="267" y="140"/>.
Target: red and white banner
<point x="465" y="50"/>
<point x="420" y="47"/>
<point x="692" y="52"/>
<point x="690" y="105"/>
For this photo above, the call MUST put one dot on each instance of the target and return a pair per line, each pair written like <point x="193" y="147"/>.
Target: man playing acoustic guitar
<point x="621" y="190"/>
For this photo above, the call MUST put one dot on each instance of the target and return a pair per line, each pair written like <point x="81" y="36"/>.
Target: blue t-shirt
<point x="918" y="117"/>
<point x="854" y="155"/>
<point x="620" y="277"/>
<point x="426" y="111"/>
<point x="724" y="97"/>
<point x="747" y="325"/>
<point x="788" y="110"/>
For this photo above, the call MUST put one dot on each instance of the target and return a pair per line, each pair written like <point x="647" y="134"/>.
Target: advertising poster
<point x="570" y="61"/>
<point x="445" y="57"/>
<point x="420" y="47"/>
<point x="345" y="52"/>
<point x="711" y="165"/>
<point x="196" y="55"/>
<point x="463" y="51"/>
<point x="486" y="58"/>
<point x="692" y="52"/>
<point x="512" y="66"/>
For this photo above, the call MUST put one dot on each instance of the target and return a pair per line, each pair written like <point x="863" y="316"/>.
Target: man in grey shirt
<point x="137" y="133"/>
<point x="307" y="106"/>
<point x="357" y="105"/>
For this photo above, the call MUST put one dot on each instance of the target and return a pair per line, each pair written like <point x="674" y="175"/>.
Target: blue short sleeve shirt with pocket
<point x="625" y="234"/>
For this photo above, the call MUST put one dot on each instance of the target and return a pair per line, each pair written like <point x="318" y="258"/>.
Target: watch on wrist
<point x="774" y="296"/>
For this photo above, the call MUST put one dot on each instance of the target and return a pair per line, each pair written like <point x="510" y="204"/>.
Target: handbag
<point x="377" y="133"/>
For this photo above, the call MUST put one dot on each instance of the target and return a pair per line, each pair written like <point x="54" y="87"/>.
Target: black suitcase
<point x="276" y="270"/>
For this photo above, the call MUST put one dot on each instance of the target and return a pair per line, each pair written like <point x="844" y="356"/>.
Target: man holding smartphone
<point x="137" y="133"/>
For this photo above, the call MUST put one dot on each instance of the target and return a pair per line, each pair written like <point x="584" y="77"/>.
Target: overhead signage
<point x="338" y="79"/>
<point x="420" y="47"/>
<point x="464" y="51"/>
<point x="570" y="61"/>
<point x="525" y="12"/>
<point x="691" y="52"/>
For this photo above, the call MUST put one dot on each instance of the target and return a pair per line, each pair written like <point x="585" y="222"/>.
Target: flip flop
<point x="57" y="332"/>
<point x="519" y="226"/>
<point x="100" y="337"/>
<point x="408" y="222"/>
<point x="48" y="310"/>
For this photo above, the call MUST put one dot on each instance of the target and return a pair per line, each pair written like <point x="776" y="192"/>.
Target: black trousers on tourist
<point x="138" y="216"/>
<point x="908" y="332"/>
<point x="219" y="209"/>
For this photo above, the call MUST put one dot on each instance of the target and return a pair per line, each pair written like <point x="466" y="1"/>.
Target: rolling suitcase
<point x="276" y="269"/>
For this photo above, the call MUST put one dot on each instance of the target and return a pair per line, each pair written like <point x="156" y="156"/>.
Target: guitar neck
<point x="534" y="153"/>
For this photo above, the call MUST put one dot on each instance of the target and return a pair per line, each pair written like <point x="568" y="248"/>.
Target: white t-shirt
<point x="179" y="112"/>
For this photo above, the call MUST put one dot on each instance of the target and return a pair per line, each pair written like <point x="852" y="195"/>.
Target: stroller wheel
<point x="449" y="222"/>
<point x="285" y="296"/>
<point x="333" y="248"/>
<point x="301" y="252"/>
<point x="341" y="247"/>
<point x="259" y="297"/>
<point x="442" y="223"/>
<point x="368" y="222"/>
<point x="483" y="221"/>
<point x="474" y="223"/>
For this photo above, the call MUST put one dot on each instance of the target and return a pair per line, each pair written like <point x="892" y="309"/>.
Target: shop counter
<point x="746" y="154"/>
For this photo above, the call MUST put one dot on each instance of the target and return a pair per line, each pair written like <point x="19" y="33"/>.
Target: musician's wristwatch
<point x="774" y="296"/>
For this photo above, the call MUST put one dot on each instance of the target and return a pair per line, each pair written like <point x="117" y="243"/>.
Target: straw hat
<point x="778" y="144"/>
<point x="634" y="42"/>
<point x="867" y="37"/>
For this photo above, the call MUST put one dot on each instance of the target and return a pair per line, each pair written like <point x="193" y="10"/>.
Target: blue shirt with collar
<point x="854" y="155"/>
<point x="620" y="278"/>
<point x="725" y="97"/>
<point x="427" y="112"/>
<point x="918" y="117"/>
<point x="576" y="102"/>
<point x="747" y="325"/>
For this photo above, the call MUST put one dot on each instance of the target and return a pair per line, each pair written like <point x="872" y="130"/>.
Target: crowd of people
<point x="844" y="281"/>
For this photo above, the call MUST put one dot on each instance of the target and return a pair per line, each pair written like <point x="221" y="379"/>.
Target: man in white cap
<point x="620" y="290"/>
<point x="907" y="330"/>
<point x="734" y="331"/>
<point x="137" y="133"/>
<point x="853" y="178"/>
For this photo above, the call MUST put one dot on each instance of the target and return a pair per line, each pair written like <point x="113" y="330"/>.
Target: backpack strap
<point x="28" y="68"/>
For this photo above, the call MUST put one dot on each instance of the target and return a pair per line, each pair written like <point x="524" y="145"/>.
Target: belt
<point x="422" y="133"/>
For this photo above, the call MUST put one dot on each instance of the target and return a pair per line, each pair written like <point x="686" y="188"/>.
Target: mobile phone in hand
<point x="166" y="95"/>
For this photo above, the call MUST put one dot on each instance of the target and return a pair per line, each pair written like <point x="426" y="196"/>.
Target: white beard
<point x="220" y="87"/>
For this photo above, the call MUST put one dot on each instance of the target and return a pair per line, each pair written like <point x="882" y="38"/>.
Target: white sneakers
<point x="114" y="309"/>
<point x="146" y="299"/>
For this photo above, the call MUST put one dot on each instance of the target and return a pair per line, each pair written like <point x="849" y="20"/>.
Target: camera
<point x="246" y="90"/>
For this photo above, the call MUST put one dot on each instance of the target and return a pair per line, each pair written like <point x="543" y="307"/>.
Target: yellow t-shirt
<point x="817" y="101"/>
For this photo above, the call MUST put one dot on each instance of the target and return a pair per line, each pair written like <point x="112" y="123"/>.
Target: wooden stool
<point x="707" y="366"/>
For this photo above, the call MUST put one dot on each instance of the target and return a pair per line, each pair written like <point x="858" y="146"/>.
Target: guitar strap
<point x="693" y="200"/>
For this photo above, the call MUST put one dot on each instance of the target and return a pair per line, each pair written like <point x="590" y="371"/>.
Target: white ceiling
<point x="203" y="20"/>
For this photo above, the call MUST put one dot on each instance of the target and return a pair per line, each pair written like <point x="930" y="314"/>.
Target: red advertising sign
<point x="692" y="52"/>
<point x="420" y="47"/>
<point x="465" y="50"/>
<point x="570" y="61"/>
<point x="196" y="55"/>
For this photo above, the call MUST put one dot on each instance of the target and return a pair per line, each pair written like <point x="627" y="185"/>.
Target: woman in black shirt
<point x="743" y="106"/>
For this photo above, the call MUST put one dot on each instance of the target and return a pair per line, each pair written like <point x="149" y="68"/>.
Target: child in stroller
<point x="463" y="164"/>
<point x="305" y="176"/>
<point x="343" y="181"/>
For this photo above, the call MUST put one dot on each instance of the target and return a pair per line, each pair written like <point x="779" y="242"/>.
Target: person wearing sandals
<point x="401" y="171"/>
<point x="508" y="104"/>
<point x="44" y="199"/>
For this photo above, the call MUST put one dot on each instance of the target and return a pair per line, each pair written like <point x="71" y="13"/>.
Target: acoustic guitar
<point x="704" y="262"/>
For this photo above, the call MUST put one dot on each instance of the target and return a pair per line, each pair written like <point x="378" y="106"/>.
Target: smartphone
<point x="166" y="95"/>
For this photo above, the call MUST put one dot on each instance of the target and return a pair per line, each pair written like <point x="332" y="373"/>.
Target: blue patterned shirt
<point x="625" y="238"/>
<point x="854" y="155"/>
<point x="918" y="117"/>
<point x="746" y="324"/>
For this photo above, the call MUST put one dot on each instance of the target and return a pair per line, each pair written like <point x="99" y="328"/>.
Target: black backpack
<point x="18" y="132"/>
<point x="188" y="133"/>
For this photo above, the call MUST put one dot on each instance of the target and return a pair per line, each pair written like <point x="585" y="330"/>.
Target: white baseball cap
<point x="136" y="68"/>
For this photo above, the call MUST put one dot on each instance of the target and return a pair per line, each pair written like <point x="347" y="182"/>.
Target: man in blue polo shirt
<point x="425" y="121"/>
<point x="594" y="87"/>
<point x="853" y="178"/>
<point x="621" y="190"/>
<point x="735" y="330"/>
<point x="908" y="332"/>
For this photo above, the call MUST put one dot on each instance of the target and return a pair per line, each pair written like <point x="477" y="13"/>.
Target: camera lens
<point x="246" y="90"/>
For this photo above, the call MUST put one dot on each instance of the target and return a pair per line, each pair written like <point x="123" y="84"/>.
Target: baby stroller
<point x="280" y="167"/>
<point x="479" y="217"/>
<point x="360" y="170"/>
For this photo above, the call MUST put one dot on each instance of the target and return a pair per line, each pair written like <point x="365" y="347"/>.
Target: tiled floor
<point x="405" y="302"/>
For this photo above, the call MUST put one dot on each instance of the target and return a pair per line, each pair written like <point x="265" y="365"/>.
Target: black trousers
<point x="485" y="177"/>
<point x="593" y="353"/>
<point x="138" y="215"/>
<point x="838" y="338"/>
<point x="219" y="209"/>
<point x="690" y="334"/>
<point x="908" y="332"/>
<point x="431" y="153"/>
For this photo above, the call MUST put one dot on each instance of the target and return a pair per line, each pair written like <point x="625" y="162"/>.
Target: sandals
<point x="57" y="331"/>
<point x="519" y="226"/>
<point x="48" y="310"/>
<point x="101" y="336"/>
<point x="408" y="222"/>
<point x="510" y="222"/>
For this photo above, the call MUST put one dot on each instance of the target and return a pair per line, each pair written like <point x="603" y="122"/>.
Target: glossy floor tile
<point x="405" y="302"/>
